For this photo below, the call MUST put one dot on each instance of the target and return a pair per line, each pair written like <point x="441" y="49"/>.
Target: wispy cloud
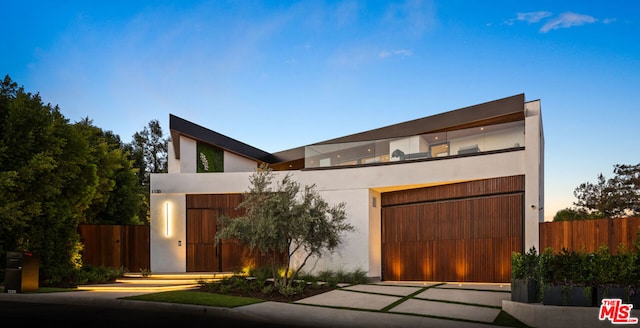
<point x="567" y="20"/>
<point x="564" y="20"/>
<point x="400" y="52"/>
<point x="532" y="17"/>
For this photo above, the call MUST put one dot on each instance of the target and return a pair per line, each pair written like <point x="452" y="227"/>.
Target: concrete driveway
<point x="383" y="304"/>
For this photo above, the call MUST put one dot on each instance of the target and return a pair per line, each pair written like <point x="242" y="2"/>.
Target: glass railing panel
<point x="442" y="144"/>
<point x="321" y="155"/>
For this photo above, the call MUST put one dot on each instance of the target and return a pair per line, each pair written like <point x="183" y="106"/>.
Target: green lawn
<point x="197" y="298"/>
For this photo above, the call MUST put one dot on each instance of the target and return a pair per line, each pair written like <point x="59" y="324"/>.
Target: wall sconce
<point x="167" y="216"/>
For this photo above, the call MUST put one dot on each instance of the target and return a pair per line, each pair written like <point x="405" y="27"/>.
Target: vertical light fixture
<point x="167" y="215"/>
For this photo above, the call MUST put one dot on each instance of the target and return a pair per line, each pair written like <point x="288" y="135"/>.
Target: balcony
<point x="410" y="148"/>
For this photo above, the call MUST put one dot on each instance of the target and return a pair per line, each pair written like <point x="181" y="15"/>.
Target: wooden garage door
<point x="462" y="232"/>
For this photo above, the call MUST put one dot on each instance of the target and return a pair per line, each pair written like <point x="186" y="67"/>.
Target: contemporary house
<point x="446" y="197"/>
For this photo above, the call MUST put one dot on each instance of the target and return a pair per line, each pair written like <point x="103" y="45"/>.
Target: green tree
<point x="285" y="219"/>
<point x="152" y="146"/>
<point x="116" y="198"/>
<point x="46" y="181"/>
<point x="628" y="179"/>
<point x="615" y="197"/>
<point x="571" y="214"/>
<point x="148" y="152"/>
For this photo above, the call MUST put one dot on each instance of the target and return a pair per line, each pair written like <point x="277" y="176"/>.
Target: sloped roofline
<point x="179" y="126"/>
<point x="492" y="112"/>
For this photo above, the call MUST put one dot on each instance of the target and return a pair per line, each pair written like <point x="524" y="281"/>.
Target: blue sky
<point x="283" y="74"/>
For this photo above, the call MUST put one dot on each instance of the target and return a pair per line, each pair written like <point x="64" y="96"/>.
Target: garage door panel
<point x="445" y="259"/>
<point x="392" y="260"/>
<point x="426" y="264"/>
<point x="482" y="259"/>
<point x="427" y="224"/>
<point x="410" y="270"/>
<point x="465" y="240"/>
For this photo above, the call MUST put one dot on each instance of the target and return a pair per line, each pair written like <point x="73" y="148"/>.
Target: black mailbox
<point x="21" y="274"/>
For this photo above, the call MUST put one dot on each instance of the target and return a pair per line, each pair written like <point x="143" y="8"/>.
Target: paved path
<point x="366" y="305"/>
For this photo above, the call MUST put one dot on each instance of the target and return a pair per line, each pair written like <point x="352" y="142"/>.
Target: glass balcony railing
<point x="442" y="144"/>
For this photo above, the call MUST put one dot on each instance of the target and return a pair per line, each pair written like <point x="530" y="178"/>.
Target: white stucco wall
<point x="173" y="164"/>
<point x="353" y="242"/>
<point x="168" y="232"/>
<point x="534" y="175"/>
<point x="375" y="234"/>
<point x="188" y="150"/>
<point x="235" y="163"/>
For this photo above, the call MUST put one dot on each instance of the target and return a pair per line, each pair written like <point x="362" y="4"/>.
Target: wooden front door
<point x="203" y="253"/>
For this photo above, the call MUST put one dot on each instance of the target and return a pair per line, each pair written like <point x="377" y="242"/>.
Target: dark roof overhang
<point x="179" y="126"/>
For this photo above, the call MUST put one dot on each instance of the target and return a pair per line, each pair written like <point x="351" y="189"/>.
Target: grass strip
<point x="459" y="303"/>
<point x="402" y="300"/>
<point x="196" y="298"/>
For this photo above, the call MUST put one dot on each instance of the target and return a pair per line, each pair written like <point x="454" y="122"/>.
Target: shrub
<point x="268" y="289"/>
<point x="325" y="275"/>
<point x="525" y="266"/>
<point x="360" y="277"/>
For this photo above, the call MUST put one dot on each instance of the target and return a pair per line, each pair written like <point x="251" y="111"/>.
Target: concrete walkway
<point x="367" y="305"/>
<point x="383" y="304"/>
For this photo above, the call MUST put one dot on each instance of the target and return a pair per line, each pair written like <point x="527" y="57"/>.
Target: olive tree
<point x="285" y="219"/>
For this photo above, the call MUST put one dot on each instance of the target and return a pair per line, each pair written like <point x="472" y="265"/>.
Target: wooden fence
<point x="589" y="235"/>
<point x="118" y="246"/>
<point x="128" y="246"/>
